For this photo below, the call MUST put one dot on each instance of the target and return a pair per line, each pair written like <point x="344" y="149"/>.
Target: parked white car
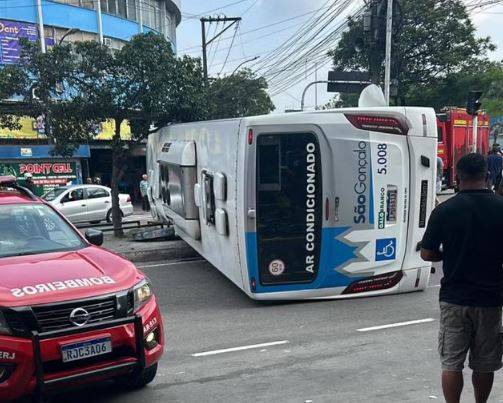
<point x="87" y="203"/>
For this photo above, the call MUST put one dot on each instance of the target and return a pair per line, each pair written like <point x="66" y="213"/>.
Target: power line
<point x="196" y="16"/>
<point x="260" y="28"/>
<point x="249" y="8"/>
<point x="229" y="52"/>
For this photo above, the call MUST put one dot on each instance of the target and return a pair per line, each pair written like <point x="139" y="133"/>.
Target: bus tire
<point x="138" y="380"/>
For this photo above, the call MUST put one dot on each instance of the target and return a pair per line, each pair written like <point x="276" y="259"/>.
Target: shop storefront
<point x="47" y="171"/>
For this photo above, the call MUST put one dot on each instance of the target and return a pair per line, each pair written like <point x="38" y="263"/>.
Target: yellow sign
<point x="28" y="130"/>
<point x="107" y="130"/>
<point x="34" y="129"/>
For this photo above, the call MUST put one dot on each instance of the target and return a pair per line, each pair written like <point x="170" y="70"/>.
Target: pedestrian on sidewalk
<point x="466" y="233"/>
<point x="495" y="165"/>
<point x="145" y="205"/>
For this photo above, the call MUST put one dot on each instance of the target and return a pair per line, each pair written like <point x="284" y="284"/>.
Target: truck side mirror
<point x="94" y="237"/>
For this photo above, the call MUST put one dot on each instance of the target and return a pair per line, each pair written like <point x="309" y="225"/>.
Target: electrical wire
<point x="282" y="66"/>
<point x="260" y="28"/>
<point x="230" y="48"/>
<point x="195" y="16"/>
<point x="249" y="8"/>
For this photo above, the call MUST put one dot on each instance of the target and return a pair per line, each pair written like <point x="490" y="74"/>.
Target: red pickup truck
<point x="455" y="139"/>
<point x="70" y="311"/>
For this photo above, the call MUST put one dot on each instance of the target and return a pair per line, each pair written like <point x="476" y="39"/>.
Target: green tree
<point x="40" y="86"/>
<point x="143" y="83"/>
<point x="12" y="82"/>
<point x="237" y="95"/>
<point x="80" y="85"/>
<point x="452" y="89"/>
<point x="436" y="40"/>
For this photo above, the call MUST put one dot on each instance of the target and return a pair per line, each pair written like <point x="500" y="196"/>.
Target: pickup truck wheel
<point x="109" y="216"/>
<point x="138" y="380"/>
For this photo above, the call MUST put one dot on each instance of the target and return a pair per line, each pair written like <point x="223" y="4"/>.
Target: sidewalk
<point x="147" y="251"/>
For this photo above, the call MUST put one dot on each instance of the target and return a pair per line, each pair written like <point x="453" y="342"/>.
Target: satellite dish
<point x="372" y="96"/>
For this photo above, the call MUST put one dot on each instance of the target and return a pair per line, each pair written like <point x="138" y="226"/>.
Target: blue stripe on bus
<point x="334" y="254"/>
<point x="371" y="197"/>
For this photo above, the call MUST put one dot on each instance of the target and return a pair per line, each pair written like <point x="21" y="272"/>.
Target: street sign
<point x="346" y="88"/>
<point x="347" y="81"/>
<point x="348" y="76"/>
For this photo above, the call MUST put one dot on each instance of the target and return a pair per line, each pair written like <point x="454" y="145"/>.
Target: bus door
<point x="287" y="193"/>
<point x="371" y="166"/>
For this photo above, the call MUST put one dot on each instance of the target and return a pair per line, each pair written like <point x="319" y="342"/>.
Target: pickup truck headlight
<point x="142" y="293"/>
<point x="4" y="327"/>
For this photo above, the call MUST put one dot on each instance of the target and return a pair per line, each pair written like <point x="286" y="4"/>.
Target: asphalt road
<point x="323" y="357"/>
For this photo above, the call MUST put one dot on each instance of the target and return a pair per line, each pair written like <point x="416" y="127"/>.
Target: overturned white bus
<point x="325" y="204"/>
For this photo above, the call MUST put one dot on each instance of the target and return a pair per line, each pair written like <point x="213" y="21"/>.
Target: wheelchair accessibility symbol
<point x="385" y="249"/>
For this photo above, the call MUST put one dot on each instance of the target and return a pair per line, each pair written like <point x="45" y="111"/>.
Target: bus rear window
<point x="289" y="207"/>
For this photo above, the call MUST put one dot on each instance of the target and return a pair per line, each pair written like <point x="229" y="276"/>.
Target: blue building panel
<point x="38" y="151"/>
<point x="67" y="16"/>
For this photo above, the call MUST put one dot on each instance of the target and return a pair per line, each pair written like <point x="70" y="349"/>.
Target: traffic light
<point x="474" y="104"/>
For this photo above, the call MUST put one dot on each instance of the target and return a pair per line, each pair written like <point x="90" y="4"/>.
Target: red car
<point x="70" y="311"/>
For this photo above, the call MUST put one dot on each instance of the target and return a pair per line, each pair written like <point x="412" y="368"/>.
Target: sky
<point x="266" y="24"/>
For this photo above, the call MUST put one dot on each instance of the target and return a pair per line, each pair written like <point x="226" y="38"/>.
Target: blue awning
<point x="38" y="152"/>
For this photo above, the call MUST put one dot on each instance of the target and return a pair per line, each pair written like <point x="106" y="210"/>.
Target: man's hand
<point x="431" y="256"/>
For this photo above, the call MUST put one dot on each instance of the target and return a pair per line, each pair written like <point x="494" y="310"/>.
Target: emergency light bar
<point x="10" y="181"/>
<point x="382" y="124"/>
<point x="7" y="180"/>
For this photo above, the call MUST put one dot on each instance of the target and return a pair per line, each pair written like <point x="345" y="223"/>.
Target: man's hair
<point x="472" y="167"/>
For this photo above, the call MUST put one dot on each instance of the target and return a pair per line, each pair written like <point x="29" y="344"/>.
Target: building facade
<point x="117" y="21"/>
<point x="113" y="22"/>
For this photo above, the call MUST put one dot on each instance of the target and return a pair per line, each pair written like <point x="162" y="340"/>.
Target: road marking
<point x="170" y="264"/>
<point x="399" y="324"/>
<point x="233" y="349"/>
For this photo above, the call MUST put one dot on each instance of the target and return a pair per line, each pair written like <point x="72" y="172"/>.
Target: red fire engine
<point x="456" y="139"/>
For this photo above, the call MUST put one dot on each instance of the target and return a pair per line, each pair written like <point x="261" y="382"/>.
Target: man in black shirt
<point x="466" y="232"/>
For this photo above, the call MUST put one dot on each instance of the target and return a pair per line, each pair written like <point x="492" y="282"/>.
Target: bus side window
<point x="164" y="184"/>
<point x="440" y="132"/>
<point x="209" y="198"/>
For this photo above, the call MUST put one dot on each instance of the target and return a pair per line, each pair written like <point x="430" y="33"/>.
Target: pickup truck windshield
<point x="31" y="229"/>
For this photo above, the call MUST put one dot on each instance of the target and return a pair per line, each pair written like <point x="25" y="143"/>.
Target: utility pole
<point x="316" y="87"/>
<point x="41" y="26"/>
<point x="472" y="108"/>
<point x="389" y="37"/>
<point x="100" y="21"/>
<point x="140" y="15"/>
<point x="205" y="43"/>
